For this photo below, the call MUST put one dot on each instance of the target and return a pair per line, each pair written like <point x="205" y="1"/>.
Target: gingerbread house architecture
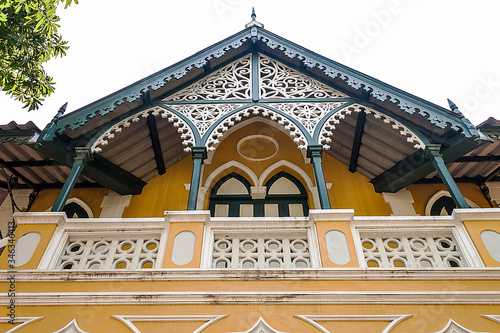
<point x="255" y="186"/>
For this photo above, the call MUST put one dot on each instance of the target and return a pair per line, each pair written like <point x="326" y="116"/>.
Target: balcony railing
<point x="256" y="243"/>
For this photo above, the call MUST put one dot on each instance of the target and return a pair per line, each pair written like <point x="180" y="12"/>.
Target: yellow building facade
<point x="255" y="187"/>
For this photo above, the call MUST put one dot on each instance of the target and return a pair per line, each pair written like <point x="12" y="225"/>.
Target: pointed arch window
<point x="285" y="196"/>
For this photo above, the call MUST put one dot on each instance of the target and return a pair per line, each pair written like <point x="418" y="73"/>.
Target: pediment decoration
<point x="230" y="82"/>
<point x="280" y="81"/>
<point x="186" y="133"/>
<point x="20" y="322"/>
<point x="72" y="327"/>
<point x="293" y="130"/>
<point x="128" y="320"/>
<point x="392" y="319"/>
<point x="454" y="327"/>
<point x="330" y="125"/>
<point x="261" y="327"/>
<point x="204" y="115"/>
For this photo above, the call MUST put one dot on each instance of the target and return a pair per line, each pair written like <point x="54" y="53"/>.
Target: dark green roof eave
<point x="379" y="90"/>
<point x="154" y="81"/>
<point x="360" y="80"/>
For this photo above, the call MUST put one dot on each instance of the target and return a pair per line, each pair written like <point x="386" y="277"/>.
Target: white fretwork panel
<point x="308" y="114"/>
<point x="204" y="115"/>
<point x="280" y="81"/>
<point x="230" y="82"/>
<point x="110" y="253"/>
<point x="271" y="251"/>
<point x="412" y="252"/>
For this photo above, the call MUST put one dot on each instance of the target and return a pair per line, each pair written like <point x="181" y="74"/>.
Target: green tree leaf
<point x="29" y="38"/>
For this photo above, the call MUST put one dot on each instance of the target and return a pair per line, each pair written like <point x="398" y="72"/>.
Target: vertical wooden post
<point x="449" y="182"/>
<point x="82" y="155"/>
<point x="314" y="152"/>
<point x="199" y="154"/>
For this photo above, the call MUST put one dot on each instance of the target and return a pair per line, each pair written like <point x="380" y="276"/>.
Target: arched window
<point x="231" y="197"/>
<point x="285" y="196"/>
<point x="442" y="204"/>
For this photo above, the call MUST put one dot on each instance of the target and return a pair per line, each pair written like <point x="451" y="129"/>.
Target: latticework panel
<point x="272" y="251"/>
<point x="412" y="252"/>
<point x="110" y="253"/>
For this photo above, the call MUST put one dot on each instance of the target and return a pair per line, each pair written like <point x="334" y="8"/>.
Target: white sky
<point x="432" y="49"/>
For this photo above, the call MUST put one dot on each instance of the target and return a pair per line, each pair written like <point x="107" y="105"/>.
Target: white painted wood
<point x="401" y="203"/>
<point x="232" y="187"/>
<point x="114" y="204"/>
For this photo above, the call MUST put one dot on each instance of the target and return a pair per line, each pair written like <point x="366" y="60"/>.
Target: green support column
<point x="82" y="155"/>
<point x="438" y="163"/>
<point x="314" y="152"/>
<point x="199" y="154"/>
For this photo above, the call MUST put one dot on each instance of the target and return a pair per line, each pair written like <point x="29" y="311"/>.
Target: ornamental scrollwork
<point x="204" y="115"/>
<point x="329" y="126"/>
<point x="230" y="82"/>
<point x="280" y="81"/>
<point x="295" y="133"/>
<point x="182" y="127"/>
<point x="308" y="114"/>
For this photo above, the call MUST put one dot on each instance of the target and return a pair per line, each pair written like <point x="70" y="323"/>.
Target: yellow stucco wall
<point x="423" y="192"/>
<point x="91" y="196"/>
<point x="352" y="190"/>
<point x="163" y="192"/>
<point x="241" y="317"/>
<point x="474" y="228"/>
<point x="45" y="230"/>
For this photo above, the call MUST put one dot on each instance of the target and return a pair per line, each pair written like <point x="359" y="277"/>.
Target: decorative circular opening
<point x="94" y="265"/>
<point x="300" y="263"/>
<point x="248" y="246"/>
<point x="147" y="264"/>
<point x="151" y="245"/>
<point x="248" y="264"/>
<point x="274" y="264"/>
<point x="367" y="244"/>
<point x="121" y="265"/>
<point x="372" y="263"/>
<point x="398" y="263"/>
<point x="257" y="147"/>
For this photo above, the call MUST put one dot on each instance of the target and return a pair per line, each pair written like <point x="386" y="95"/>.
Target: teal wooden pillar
<point x="82" y="155"/>
<point x="199" y="154"/>
<point x="449" y="182"/>
<point x="314" y="152"/>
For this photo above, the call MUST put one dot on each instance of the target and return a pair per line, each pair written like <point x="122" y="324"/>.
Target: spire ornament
<point x="254" y="23"/>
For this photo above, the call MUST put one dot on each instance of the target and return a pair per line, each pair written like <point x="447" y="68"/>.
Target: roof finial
<point x="254" y="23"/>
<point x="453" y="107"/>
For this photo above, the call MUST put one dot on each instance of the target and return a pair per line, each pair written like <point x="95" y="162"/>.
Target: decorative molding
<point x="495" y="318"/>
<point x="293" y="130"/>
<point x="313" y="319"/>
<point x="308" y="114"/>
<point x="359" y="81"/>
<point x="328" y="274"/>
<point x="280" y="81"/>
<point x="128" y="320"/>
<point x="329" y="126"/>
<point x="182" y="127"/>
<point x="155" y="82"/>
<point x="257" y="297"/>
<point x="72" y="327"/>
<point x="229" y="82"/>
<point x="202" y="116"/>
<point x="257" y="136"/>
<point x="454" y="327"/>
<point x="401" y="203"/>
<point x="23" y="320"/>
<point x="261" y="327"/>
